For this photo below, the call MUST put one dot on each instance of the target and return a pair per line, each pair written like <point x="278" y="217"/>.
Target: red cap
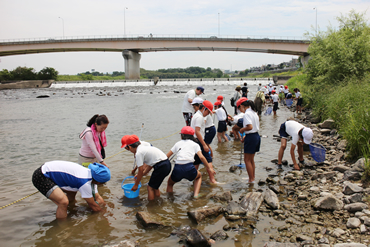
<point x="286" y="86"/>
<point x="273" y="91"/>
<point x="207" y="104"/>
<point x="128" y="140"/>
<point x="187" y="130"/>
<point x="218" y="103"/>
<point x="241" y="100"/>
<point x="220" y="97"/>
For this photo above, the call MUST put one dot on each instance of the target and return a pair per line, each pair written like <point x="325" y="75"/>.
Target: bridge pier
<point x="132" y="64"/>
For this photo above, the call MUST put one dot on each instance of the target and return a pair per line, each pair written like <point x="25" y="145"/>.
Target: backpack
<point x="232" y="101"/>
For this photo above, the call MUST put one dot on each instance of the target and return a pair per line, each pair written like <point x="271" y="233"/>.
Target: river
<point x="36" y="130"/>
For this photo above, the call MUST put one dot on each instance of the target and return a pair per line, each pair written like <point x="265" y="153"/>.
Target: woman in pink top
<point x="93" y="141"/>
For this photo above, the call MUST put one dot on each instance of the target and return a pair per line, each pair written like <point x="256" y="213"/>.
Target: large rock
<point x="337" y="232"/>
<point x="219" y="235"/>
<point x="327" y="124"/>
<point x="351" y="188"/>
<point x="148" y="220"/>
<point x="353" y="223"/>
<point x="200" y="214"/>
<point x="224" y="197"/>
<point x="352" y="175"/>
<point x="328" y="202"/>
<point x="355" y="207"/>
<point x="359" y="166"/>
<point x="195" y="238"/>
<point x="342" y="145"/>
<point x="355" y="198"/>
<point x="271" y="199"/>
<point x="341" y="168"/>
<point x="252" y="202"/>
<point x="233" y="208"/>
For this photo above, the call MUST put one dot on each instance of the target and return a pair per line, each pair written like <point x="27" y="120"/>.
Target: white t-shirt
<point x="281" y="90"/>
<point x="221" y="114"/>
<point x="187" y="152"/>
<point x="198" y="121"/>
<point x="275" y="97"/>
<point x="292" y="128"/>
<point x="266" y="91"/>
<point x="297" y="94"/>
<point x="251" y="117"/>
<point x="286" y="90"/>
<point x="209" y="121"/>
<point x="148" y="155"/>
<point x="237" y="117"/>
<point x="271" y="88"/>
<point x="186" y="106"/>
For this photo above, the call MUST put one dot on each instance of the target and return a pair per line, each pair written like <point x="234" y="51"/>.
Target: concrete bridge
<point x="131" y="47"/>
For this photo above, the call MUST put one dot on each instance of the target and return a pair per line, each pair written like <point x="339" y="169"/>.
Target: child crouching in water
<point x="184" y="165"/>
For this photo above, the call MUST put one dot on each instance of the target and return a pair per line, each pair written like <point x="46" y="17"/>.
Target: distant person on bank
<point x="93" y="141"/>
<point x="59" y="181"/>
<point x="187" y="109"/>
<point x="300" y="134"/>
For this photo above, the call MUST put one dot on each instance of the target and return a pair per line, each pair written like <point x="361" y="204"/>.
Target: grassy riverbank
<point x="336" y="81"/>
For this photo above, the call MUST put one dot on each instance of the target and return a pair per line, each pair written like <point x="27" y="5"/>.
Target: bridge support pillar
<point x="132" y="64"/>
<point x="304" y="60"/>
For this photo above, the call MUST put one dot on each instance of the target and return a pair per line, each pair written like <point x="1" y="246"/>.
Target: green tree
<point x="5" y="75"/>
<point x="47" y="73"/>
<point x="23" y="73"/>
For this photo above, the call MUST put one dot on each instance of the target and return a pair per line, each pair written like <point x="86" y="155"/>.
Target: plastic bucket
<point x="127" y="189"/>
<point x="289" y="102"/>
<point x="318" y="152"/>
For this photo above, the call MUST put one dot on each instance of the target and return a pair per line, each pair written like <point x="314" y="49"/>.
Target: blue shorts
<point x="209" y="134"/>
<point x="240" y="123"/>
<point x="161" y="170"/>
<point x="206" y="155"/>
<point x="252" y="143"/>
<point x="222" y="127"/>
<point x="282" y="131"/>
<point x="276" y="105"/>
<point x="187" y="171"/>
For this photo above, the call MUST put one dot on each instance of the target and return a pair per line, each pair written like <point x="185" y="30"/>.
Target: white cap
<point x="307" y="135"/>
<point x="197" y="100"/>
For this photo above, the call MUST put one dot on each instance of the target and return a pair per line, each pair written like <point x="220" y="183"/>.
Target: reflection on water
<point x="38" y="130"/>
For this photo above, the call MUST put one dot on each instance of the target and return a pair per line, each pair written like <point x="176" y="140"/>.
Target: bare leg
<point x="210" y="175"/>
<point x="300" y="151"/>
<point x="224" y="136"/>
<point x="281" y="150"/>
<point x="170" y="184"/>
<point x="209" y="146"/>
<point x="249" y="164"/>
<point x="197" y="183"/>
<point x="219" y="137"/>
<point x="61" y="200"/>
<point x="152" y="193"/>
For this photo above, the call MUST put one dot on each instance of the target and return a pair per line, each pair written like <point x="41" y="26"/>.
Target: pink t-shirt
<point x="88" y="148"/>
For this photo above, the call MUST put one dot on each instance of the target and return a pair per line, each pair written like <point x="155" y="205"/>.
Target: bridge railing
<point x="151" y="36"/>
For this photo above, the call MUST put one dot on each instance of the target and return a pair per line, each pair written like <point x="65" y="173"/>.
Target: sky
<point x="24" y="19"/>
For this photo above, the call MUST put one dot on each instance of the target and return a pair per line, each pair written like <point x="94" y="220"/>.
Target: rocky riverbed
<point x="324" y="204"/>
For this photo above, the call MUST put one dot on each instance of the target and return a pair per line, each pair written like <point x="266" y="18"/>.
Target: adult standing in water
<point x="252" y="140"/>
<point x="187" y="108"/>
<point x="59" y="181"/>
<point x="245" y="90"/>
<point x="93" y="141"/>
<point x="259" y="100"/>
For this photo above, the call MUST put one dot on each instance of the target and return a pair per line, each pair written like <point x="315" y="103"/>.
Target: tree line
<point x="24" y="73"/>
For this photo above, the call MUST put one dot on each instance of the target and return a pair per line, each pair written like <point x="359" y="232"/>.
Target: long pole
<point x="124" y="21"/>
<point x="316" y="19"/>
<point x="63" y="25"/>
<point x="218" y="24"/>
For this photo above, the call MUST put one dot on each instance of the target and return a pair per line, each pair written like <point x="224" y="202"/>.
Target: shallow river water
<point x="35" y="130"/>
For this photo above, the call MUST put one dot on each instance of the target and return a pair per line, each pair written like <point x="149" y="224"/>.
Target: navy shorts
<point x="282" y="131"/>
<point x="209" y="134"/>
<point x="252" y="143"/>
<point x="206" y="155"/>
<point x="187" y="171"/>
<point x="222" y="127"/>
<point x="161" y="170"/>
<point x="276" y="105"/>
<point x="240" y="123"/>
<point x="300" y="101"/>
<point x="45" y="185"/>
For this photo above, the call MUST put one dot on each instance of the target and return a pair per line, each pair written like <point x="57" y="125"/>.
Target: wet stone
<point x="219" y="235"/>
<point x="224" y="197"/>
<point x="271" y="199"/>
<point x="195" y="238"/>
<point x="233" y="208"/>
<point x="200" y="214"/>
<point x="252" y="202"/>
<point x="148" y="220"/>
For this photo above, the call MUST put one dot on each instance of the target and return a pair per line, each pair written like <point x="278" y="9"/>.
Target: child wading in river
<point x="184" y="165"/>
